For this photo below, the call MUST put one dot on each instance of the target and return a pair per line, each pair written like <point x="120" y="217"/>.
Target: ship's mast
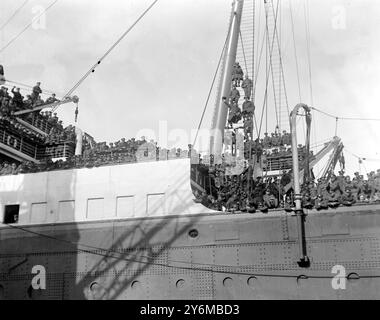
<point x="220" y="112"/>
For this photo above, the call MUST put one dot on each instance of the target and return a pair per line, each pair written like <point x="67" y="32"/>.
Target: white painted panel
<point x="171" y="178"/>
<point x="95" y="208"/>
<point x="66" y="210"/>
<point x="38" y="212"/>
<point x="125" y="206"/>
<point x="155" y="204"/>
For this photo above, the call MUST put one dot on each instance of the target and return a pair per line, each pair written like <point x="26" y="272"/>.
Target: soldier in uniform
<point x="322" y="188"/>
<point x="371" y="185"/>
<point x="248" y="127"/>
<point x="248" y="107"/>
<point x="234" y="115"/>
<point x="247" y="87"/>
<point x="307" y="202"/>
<point x="276" y="139"/>
<point x="334" y="186"/>
<point x="270" y="200"/>
<point x="52" y="99"/>
<point x="321" y="203"/>
<point x="36" y="92"/>
<point x="341" y="180"/>
<point x="347" y="183"/>
<point x="357" y="186"/>
<point x="333" y="199"/>
<point x="286" y="139"/>
<point x="17" y="98"/>
<point x="237" y="74"/>
<point x="234" y="95"/>
<point x="266" y="141"/>
<point x="348" y="199"/>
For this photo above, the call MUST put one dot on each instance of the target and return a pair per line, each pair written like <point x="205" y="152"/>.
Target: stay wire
<point x="92" y="69"/>
<point x="212" y="84"/>
<point x="27" y="26"/>
<point x="245" y="59"/>
<point x="295" y="51"/>
<point x="344" y="118"/>
<point x="13" y="15"/>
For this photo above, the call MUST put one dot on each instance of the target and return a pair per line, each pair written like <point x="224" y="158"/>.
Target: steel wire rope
<point x="92" y="69"/>
<point x="13" y="15"/>
<point x="213" y="82"/>
<point x="28" y="26"/>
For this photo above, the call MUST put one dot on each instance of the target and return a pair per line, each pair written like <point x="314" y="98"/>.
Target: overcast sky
<point x="163" y="69"/>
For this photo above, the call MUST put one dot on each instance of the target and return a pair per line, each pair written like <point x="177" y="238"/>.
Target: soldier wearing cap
<point x="234" y="114"/>
<point x="52" y="99"/>
<point x="234" y="95"/>
<point x="36" y="92"/>
<point x="248" y="107"/>
<point x="247" y="87"/>
<point x="357" y="186"/>
<point x="286" y="139"/>
<point x="348" y="199"/>
<point x="276" y="139"/>
<point x="266" y="141"/>
<point x="17" y="97"/>
<point x="334" y="186"/>
<point x="333" y="199"/>
<point x="248" y="127"/>
<point x="237" y="74"/>
<point x="270" y="201"/>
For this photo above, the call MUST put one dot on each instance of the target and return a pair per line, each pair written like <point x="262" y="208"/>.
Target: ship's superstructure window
<point x="11" y="213"/>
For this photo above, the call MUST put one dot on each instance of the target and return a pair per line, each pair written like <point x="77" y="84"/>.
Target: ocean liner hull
<point x="189" y="253"/>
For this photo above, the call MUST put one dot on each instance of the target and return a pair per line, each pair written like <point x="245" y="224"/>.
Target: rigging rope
<point x="307" y="31"/>
<point x="242" y="46"/>
<point x="212" y="84"/>
<point x="295" y="51"/>
<point x="345" y="118"/>
<point x="27" y="26"/>
<point x="268" y="68"/>
<point x="256" y="68"/>
<point x="13" y="15"/>
<point x="92" y="69"/>
<point x="275" y="14"/>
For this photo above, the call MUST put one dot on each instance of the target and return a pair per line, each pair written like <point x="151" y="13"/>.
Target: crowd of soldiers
<point x="11" y="125"/>
<point x="10" y="104"/>
<point x="47" y="122"/>
<point x="275" y="145"/>
<point x="100" y="154"/>
<point x="232" y="102"/>
<point x="244" y="194"/>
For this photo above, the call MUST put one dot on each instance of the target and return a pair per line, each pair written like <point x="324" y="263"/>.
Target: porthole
<point x="180" y="284"/>
<point x="135" y="285"/>
<point x="353" y="276"/>
<point x="301" y="277"/>
<point x="193" y="233"/>
<point x="227" y="282"/>
<point x="251" y="281"/>
<point x="94" y="287"/>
